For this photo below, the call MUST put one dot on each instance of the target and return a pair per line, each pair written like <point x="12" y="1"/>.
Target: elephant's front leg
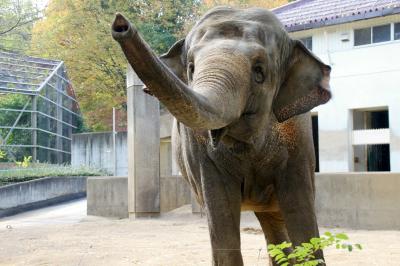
<point x="296" y="196"/>
<point x="222" y="200"/>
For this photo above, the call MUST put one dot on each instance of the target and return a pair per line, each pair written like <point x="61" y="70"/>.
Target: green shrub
<point x="34" y="171"/>
<point x="303" y="255"/>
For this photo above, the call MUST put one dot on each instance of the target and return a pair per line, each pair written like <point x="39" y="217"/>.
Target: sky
<point x="41" y="4"/>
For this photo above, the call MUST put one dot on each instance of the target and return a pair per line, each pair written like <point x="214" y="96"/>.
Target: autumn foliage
<point x="78" y="32"/>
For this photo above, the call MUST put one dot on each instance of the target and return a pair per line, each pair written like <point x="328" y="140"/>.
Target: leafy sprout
<point x="303" y="255"/>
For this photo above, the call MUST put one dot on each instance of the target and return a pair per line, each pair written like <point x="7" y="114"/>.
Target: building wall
<point x="362" y="77"/>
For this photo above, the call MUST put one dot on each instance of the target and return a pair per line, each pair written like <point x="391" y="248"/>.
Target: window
<point x="362" y="36"/>
<point x="397" y="31"/>
<point x="373" y="35"/>
<point x="381" y="33"/>
<point x="370" y="119"/>
<point x="373" y="153"/>
<point x="307" y="42"/>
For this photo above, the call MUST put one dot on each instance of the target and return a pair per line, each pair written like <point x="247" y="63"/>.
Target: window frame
<point x="393" y="30"/>
<point x="391" y="39"/>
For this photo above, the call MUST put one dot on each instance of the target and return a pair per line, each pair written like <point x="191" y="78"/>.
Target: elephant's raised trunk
<point x="188" y="106"/>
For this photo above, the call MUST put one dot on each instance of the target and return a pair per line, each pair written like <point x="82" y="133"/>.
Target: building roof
<point x="309" y="14"/>
<point x="32" y="76"/>
<point x="24" y="73"/>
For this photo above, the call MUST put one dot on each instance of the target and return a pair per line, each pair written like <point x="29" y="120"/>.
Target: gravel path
<point x="64" y="235"/>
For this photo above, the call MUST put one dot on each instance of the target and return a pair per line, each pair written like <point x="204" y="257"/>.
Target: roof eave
<point x="342" y="20"/>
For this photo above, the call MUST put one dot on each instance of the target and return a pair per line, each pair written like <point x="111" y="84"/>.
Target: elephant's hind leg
<point x="274" y="228"/>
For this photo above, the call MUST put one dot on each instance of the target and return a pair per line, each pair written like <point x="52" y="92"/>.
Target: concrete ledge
<point x="349" y="200"/>
<point x="174" y="192"/>
<point x="358" y="200"/>
<point x="38" y="193"/>
<point x="107" y="196"/>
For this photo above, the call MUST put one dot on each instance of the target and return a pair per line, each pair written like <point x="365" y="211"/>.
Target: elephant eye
<point x="190" y="70"/>
<point x="259" y="74"/>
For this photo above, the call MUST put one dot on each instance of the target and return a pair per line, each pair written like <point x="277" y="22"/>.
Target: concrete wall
<point x="39" y="193"/>
<point x="174" y="192"/>
<point x="108" y="196"/>
<point x="349" y="200"/>
<point x="96" y="150"/>
<point x="358" y="200"/>
<point x="362" y="77"/>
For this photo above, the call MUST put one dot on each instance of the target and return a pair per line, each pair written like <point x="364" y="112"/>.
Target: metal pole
<point x="114" y="135"/>
<point x="59" y="115"/>
<point x="34" y="128"/>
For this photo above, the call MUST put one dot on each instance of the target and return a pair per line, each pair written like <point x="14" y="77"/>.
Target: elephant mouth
<point x="234" y="131"/>
<point x="216" y="135"/>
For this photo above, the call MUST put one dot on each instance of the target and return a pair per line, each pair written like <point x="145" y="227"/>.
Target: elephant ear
<point x="173" y="59"/>
<point x="306" y="84"/>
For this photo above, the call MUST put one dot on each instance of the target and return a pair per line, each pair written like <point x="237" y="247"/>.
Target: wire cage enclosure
<point x="38" y="109"/>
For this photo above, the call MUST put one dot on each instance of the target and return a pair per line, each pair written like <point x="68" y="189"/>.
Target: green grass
<point x="34" y="171"/>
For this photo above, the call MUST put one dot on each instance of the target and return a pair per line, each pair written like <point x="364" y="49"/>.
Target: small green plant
<point x="26" y="162"/>
<point x="2" y="154"/>
<point x="303" y="255"/>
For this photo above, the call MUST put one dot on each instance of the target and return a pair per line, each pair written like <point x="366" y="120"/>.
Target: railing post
<point x="143" y="150"/>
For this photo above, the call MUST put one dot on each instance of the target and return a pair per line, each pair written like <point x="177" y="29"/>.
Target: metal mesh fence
<point x="38" y="109"/>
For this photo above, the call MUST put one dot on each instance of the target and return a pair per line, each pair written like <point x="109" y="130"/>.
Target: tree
<point x="16" y="20"/>
<point x="78" y="32"/>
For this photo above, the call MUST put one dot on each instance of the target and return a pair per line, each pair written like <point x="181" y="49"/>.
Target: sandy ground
<point x="64" y="235"/>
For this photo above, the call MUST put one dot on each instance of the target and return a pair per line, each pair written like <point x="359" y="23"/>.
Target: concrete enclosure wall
<point x="108" y="196"/>
<point x="40" y="192"/>
<point x="350" y="200"/>
<point x="358" y="200"/>
<point x="96" y="150"/>
<point x="174" y="192"/>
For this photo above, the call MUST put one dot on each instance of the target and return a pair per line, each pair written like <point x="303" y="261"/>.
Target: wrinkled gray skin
<point x="240" y="90"/>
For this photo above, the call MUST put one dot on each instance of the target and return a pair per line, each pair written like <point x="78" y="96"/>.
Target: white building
<point x="359" y="129"/>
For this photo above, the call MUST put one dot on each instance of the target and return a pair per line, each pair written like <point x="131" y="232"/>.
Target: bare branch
<point x="19" y="24"/>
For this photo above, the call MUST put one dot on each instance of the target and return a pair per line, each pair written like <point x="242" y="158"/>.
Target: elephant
<point x="240" y="90"/>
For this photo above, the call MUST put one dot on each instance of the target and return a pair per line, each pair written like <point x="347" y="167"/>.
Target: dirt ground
<point x="66" y="236"/>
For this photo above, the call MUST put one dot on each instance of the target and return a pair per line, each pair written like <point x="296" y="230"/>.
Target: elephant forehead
<point x="231" y="29"/>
